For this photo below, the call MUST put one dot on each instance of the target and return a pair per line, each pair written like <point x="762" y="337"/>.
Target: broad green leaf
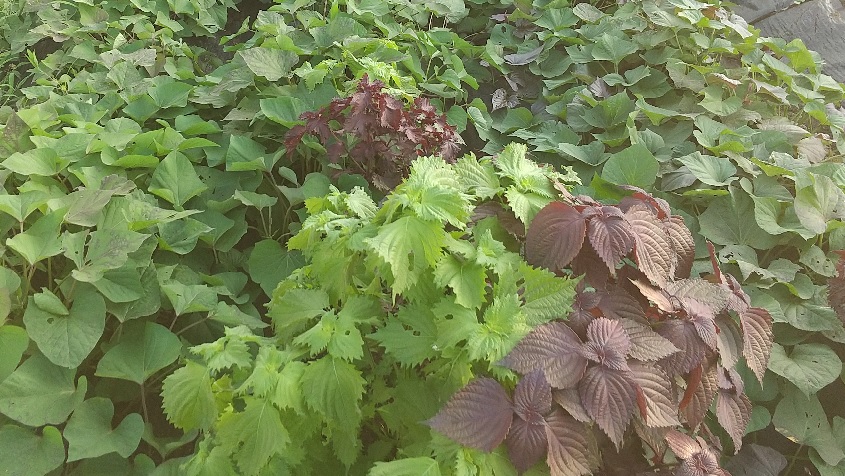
<point x="252" y="199"/>
<point x="188" y="398"/>
<point x="40" y="393"/>
<point x="67" y="340"/>
<point x="42" y="162"/>
<point x="269" y="264"/>
<point x="253" y="435"/>
<point x="181" y="236"/>
<point x="246" y="154"/>
<point x="120" y="285"/>
<point x="613" y="48"/>
<point x="143" y="349"/>
<point x="810" y="367"/>
<point x="710" y="170"/>
<point x="802" y="419"/>
<point x="187" y="298"/>
<point x="838" y="430"/>
<point x="819" y="202"/>
<point x="270" y="63"/>
<point x="147" y="304"/>
<point x="635" y="165"/>
<point x="421" y="466"/>
<point x="49" y="302"/>
<point x="284" y="110"/>
<point x="39" y="241"/>
<point x="20" y="205"/>
<point x="13" y="343"/>
<point x="776" y="218"/>
<point x="726" y="222"/>
<point x="25" y="452"/>
<point x="409" y="245"/>
<point x="169" y="93"/>
<point x="89" y="431"/>
<point x="175" y="180"/>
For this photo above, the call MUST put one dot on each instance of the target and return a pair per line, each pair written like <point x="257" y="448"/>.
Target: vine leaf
<point x="555" y="236"/>
<point x="757" y="339"/>
<point x="653" y="249"/>
<point x="610" y="235"/>
<point x="553" y="347"/>
<point x="478" y="416"/>
<point x="570" y="452"/>
<point x="608" y="396"/>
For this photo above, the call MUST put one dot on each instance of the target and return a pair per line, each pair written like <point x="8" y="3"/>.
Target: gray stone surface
<point x="819" y="23"/>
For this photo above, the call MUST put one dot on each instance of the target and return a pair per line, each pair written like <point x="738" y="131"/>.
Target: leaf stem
<point x="793" y="459"/>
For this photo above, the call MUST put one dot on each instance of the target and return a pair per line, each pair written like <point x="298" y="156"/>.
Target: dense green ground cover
<point x="199" y="279"/>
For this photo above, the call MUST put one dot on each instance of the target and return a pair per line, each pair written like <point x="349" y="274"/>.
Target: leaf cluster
<point x="373" y="134"/>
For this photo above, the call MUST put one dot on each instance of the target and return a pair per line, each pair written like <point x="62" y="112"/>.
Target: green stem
<point x="793" y="459"/>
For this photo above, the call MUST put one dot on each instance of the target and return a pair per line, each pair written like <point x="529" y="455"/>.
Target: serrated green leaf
<point x="254" y="435"/>
<point x="477" y="178"/>
<point x="67" y="340"/>
<point x="143" y="349"/>
<point x="410" y="337"/>
<point x="175" y="180"/>
<point x="467" y="280"/>
<point x="297" y="306"/>
<point x="41" y="393"/>
<point x="23" y="452"/>
<point x="545" y="294"/>
<point x="409" y="245"/>
<point x="39" y="241"/>
<point x="188" y="399"/>
<point x="421" y="466"/>
<point x="90" y="434"/>
<point x="334" y="388"/>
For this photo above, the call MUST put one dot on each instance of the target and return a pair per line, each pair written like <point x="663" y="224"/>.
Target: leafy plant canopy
<point x="442" y="237"/>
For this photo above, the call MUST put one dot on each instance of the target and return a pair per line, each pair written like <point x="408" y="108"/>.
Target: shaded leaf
<point x="756" y="460"/>
<point x="27" y="452"/>
<point x="527" y="443"/>
<point x="552" y="347"/>
<point x="478" y="416"/>
<point x="40" y="393"/>
<point x="609" y="397"/>
<point x="89" y="431"/>
<point x="532" y="398"/>
<point x="143" y="349"/>
<point x="555" y="236"/>
<point x="420" y="466"/>
<point x="681" y="444"/>
<point x="803" y="420"/>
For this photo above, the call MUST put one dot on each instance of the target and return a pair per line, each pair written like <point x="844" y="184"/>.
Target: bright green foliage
<point x="40" y="393"/>
<point x="403" y="311"/>
<point x="189" y="399"/>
